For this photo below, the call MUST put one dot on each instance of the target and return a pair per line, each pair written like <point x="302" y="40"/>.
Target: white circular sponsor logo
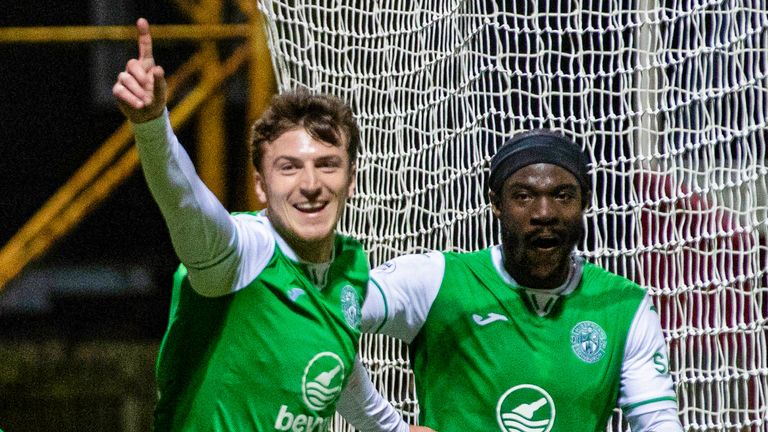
<point x="588" y="341"/>
<point x="525" y="408"/>
<point x="321" y="384"/>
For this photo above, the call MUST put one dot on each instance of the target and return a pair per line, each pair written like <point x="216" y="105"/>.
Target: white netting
<point x="669" y="98"/>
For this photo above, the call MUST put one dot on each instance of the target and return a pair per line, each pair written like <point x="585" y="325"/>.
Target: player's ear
<point x="495" y="207"/>
<point x="259" y="186"/>
<point x="352" y="179"/>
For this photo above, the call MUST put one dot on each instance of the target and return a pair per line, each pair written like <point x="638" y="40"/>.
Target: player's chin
<point x="544" y="261"/>
<point x="315" y="231"/>
<point x="316" y="225"/>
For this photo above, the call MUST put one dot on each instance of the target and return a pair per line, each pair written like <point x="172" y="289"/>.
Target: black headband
<point x="538" y="146"/>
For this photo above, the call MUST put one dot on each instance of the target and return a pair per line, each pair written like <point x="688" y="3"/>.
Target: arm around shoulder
<point x="401" y="294"/>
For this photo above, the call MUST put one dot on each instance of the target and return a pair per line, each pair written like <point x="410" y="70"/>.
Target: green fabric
<point x="271" y="356"/>
<point x="522" y="370"/>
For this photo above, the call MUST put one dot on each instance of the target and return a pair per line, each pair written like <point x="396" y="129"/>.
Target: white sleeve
<point x="207" y="239"/>
<point x="663" y="420"/>
<point x="647" y="395"/>
<point x="364" y="408"/>
<point x="400" y="294"/>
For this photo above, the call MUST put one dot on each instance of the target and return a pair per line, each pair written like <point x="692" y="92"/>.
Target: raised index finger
<point x="145" y="40"/>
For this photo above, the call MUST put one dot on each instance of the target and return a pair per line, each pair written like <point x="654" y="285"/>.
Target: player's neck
<point x="318" y="251"/>
<point x="530" y="281"/>
<point x="314" y="251"/>
<point x="551" y="280"/>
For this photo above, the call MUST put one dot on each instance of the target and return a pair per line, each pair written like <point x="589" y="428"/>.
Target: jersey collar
<point x="317" y="272"/>
<point x="542" y="300"/>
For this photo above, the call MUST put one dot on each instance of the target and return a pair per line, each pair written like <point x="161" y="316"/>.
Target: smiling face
<point x="540" y="210"/>
<point x="305" y="183"/>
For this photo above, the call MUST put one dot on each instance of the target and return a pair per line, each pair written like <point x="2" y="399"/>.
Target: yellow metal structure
<point x="117" y="158"/>
<point x="194" y="32"/>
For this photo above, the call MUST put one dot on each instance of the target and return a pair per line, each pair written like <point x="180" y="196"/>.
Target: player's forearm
<point x="664" y="420"/>
<point x="200" y="227"/>
<point x="364" y="408"/>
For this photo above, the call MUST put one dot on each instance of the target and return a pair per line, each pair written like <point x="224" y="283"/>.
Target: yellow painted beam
<point x="249" y="9"/>
<point x="189" y="8"/>
<point x="79" y="196"/>
<point x="36" y="226"/>
<point x="262" y="86"/>
<point x="211" y="158"/>
<point x="122" y="33"/>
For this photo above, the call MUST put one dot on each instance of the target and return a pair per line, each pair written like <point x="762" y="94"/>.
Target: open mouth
<point x="545" y="243"/>
<point x="311" y="207"/>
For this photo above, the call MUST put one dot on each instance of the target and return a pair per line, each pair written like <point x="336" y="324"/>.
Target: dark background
<point x="111" y="275"/>
<point x="80" y="326"/>
<point x="53" y="120"/>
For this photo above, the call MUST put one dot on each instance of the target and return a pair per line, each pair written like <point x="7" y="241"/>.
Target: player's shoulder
<point x="348" y="243"/>
<point x="250" y="216"/>
<point x="597" y="277"/>
<point x="255" y="221"/>
<point x="417" y="262"/>
<point x="480" y="259"/>
<point x="468" y="256"/>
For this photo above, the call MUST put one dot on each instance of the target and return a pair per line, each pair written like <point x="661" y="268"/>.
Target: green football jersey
<point x="484" y="360"/>
<point x="273" y="355"/>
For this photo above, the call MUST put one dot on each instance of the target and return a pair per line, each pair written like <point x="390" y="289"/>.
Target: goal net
<point x="670" y="99"/>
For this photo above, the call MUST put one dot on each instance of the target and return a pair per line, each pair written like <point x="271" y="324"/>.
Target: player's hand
<point x="140" y="90"/>
<point x="413" y="428"/>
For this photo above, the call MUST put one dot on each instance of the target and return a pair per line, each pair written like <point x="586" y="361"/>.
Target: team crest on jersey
<point x="350" y="305"/>
<point x="525" y="408"/>
<point x="588" y="341"/>
<point x="323" y="377"/>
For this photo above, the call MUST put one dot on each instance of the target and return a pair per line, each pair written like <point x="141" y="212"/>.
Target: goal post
<point x="668" y="97"/>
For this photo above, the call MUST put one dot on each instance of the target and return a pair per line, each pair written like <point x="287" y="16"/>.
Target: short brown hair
<point x="324" y="117"/>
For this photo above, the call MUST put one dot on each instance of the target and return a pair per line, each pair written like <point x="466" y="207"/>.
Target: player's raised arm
<point x="203" y="233"/>
<point x="140" y="89"/>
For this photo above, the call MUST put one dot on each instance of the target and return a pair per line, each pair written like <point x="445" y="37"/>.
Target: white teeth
<point x="310" y="206"/>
